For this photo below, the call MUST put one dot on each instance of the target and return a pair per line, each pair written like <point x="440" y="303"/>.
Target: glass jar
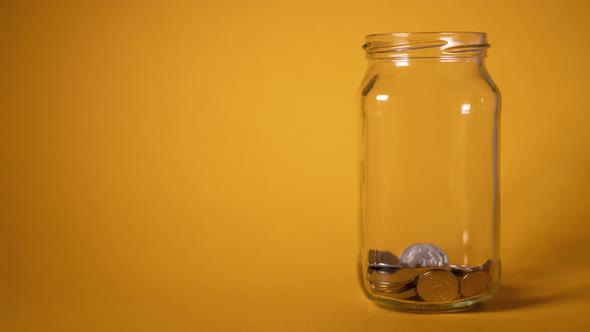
<point x="429" y="209"/>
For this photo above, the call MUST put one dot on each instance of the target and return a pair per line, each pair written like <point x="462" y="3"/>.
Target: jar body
<point x="429" y="182"/>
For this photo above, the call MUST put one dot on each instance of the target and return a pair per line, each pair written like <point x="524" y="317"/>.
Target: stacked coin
<point x="423" y="273"/>
<point x="382" y="258"/>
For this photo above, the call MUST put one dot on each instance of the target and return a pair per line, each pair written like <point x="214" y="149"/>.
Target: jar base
<point x="433" y="308"/>
<point x="399" y="288"/>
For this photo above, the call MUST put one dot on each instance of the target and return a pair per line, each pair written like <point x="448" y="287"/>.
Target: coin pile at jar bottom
<point x="423" y="274"/>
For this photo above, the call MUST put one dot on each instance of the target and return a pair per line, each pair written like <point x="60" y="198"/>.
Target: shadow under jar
<point x="429" y="209"/>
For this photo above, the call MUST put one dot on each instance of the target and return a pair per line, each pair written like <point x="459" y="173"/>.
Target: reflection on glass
<point x="466" y="108"/>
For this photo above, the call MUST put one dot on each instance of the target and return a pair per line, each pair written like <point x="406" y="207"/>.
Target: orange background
<point x="187" y="166"/>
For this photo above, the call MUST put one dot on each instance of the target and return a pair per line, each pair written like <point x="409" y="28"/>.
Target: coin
<point x="400" y="284"/>
<point x="492" y="268"/>
<point x="424" y="254"/>
<point x="438" y="286"/>
<point x="460" y="267"/>
<point x="461" y="270"/>
<point x="381" y="277"/>
<point x="386" y="257"/>
<point x="388" y="288"/>
<point x="475" y="283"/>
<point x="421" y="270"/>
<point x="487" y="265"/>
<point x="393" y="279"/>
<point x="403" y="294"/>
<point x="404" y="276"/>
<point x="382" y="258"/>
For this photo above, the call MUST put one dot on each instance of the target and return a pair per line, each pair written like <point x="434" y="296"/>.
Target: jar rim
<point x="424" y="33"/>
<point x="445" y="44"/>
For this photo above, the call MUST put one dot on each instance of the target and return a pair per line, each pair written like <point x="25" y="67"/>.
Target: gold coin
<point x="396" y="278"/>
<point x="491" y="268"/>
<point x="400" y="292"/>
<point x="461" y="270"/>
<point x="438" y="286"/>
<point x="388" y="288"/>
<point x="475" y="283"/>
<point x="405" y="276"/>
<point x="429" y="268"/>
<point x="403" y="294"/>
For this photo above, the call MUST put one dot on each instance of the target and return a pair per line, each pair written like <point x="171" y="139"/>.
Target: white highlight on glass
<point x="465" y="236"/>
<point x="465" y="242"/>
<point x="382" y="97"/>
<point x="401" y="63"/>
<point x="466" y="108"/>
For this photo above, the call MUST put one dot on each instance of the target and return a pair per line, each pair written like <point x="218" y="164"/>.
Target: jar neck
<point x="438" y="46"/>
<point x="427" y="66"/>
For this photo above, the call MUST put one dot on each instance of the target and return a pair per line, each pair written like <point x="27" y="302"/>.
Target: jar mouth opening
<point x="446" y="44"/>
<point x="428" y="33"/>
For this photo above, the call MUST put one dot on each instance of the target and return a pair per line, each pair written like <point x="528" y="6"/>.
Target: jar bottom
<point x="417" y="305"/>
<point x="425" y="307"/>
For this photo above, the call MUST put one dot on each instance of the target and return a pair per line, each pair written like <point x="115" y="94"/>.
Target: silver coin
<point x="424" y="254"/>
<point x="382" y="258"/>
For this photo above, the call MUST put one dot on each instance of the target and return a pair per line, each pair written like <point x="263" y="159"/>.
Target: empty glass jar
<point x="429" y="172"/>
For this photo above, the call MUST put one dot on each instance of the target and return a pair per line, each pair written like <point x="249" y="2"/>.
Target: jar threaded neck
<point x="449" y="45"/>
